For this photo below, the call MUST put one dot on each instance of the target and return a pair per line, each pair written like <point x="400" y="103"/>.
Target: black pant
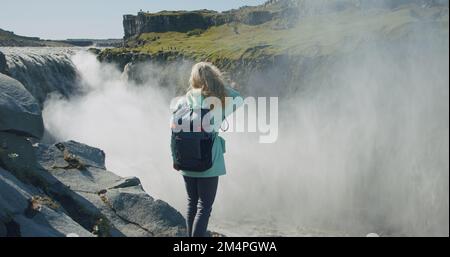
<point x="201" y="194"/>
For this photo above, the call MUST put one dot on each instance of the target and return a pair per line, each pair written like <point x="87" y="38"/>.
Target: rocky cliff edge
<point x="64" y="189"/>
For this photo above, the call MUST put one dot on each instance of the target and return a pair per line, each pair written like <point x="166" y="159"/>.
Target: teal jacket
<point x="194" y="99"/>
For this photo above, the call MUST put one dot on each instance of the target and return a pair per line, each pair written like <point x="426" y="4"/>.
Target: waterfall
<point x="363" y="149"/>
<point x="43" y="70"/>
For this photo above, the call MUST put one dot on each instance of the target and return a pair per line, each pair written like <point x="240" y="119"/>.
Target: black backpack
<point x="192" y="149"/>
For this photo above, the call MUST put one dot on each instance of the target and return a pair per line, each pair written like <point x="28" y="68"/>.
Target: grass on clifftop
<point x="312" y="36"/>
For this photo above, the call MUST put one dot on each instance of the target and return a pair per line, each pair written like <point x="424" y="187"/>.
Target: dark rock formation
<point x="185" y="21"/>
<point x="8" y="38"/>
<point x="64" y="189"/>
<point x="3" y="65"/>
<point x="93" y="50"/>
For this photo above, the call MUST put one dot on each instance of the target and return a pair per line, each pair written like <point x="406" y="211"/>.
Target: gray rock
<point x="3" y="64"/>
<point x="122" y="201"/>
<point x="19" y="111"/>
<point x="18" y="156"/>
<point x="126" y="182"/>
<point x="59" y="154"/>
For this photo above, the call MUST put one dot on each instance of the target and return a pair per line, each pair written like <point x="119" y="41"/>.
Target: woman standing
<point x="206" y="81"/>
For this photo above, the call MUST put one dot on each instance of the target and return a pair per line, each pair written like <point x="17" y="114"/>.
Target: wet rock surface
<point x="65" y="189"/>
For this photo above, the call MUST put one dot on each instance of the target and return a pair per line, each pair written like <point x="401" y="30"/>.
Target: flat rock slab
<point x="3" y="64"/>
<point x="65" y="189"/>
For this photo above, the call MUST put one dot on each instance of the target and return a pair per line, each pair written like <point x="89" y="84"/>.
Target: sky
<point x="96" y="19"/>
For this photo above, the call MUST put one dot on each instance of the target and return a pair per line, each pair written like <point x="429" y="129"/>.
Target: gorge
<point x="363" y="141"/>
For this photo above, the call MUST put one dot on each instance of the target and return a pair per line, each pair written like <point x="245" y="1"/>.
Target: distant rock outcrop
<point x="64" y="189"/>
<point x="185" y="21"/>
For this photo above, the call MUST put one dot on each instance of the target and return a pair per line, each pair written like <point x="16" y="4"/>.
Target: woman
<point x="206" y="81"/>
